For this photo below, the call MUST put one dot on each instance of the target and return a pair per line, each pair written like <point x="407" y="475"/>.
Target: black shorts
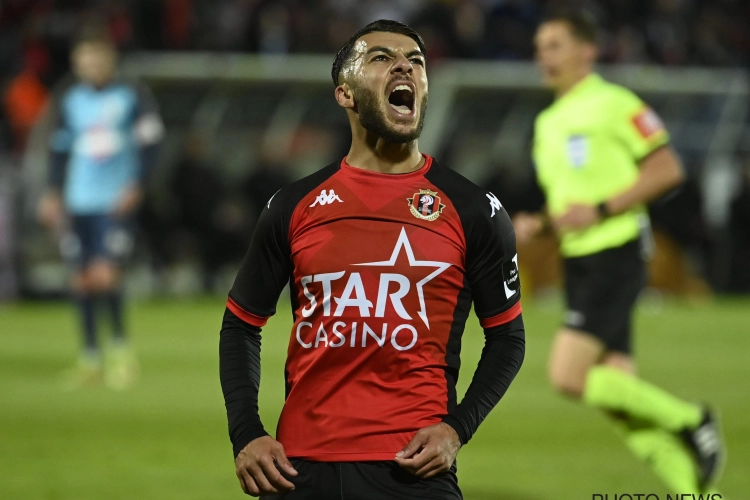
<point x="98" y="236"/>
<point x="601" y="290"/>
<point x="384" y="480"/>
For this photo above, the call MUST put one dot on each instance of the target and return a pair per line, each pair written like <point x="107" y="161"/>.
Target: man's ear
<point x="592" y="52"/>
<point x="345" y="96"/>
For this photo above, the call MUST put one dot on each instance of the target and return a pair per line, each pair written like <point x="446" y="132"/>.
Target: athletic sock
<point x="114" y="303"/>
<point x="613" y="390"/>
<point x="664" y="453"/>
<point x="86" y="305"/>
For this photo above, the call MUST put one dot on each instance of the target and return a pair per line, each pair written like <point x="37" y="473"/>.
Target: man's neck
<point x="561" y="91"/>
<point x="375" y="154"/>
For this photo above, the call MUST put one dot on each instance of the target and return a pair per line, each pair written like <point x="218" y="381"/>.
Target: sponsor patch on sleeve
<point x="647" y="122"/>
<point x="512" y="281"/>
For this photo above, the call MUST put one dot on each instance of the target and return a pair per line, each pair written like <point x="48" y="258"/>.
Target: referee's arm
<point x="660" y="172"/>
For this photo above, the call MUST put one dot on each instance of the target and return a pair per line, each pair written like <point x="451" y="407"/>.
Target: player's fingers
<point x="260" y="479"/>
<point x="242" y="483"/>
<point x="282" y="461"/>
<point x="433" y="468"/>
<point x="248" y="484"/>
<point x="426" y="455"/>
<point x="274" y="476"/>
<point x="413" y="446"/>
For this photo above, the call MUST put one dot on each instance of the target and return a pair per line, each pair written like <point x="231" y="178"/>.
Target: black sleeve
<point x="267" y="266"/>
<point x="239" y="371"/>
<point x="501" y="359"/>
<point x="492" y="273"/>
<point x="251" y="302"/>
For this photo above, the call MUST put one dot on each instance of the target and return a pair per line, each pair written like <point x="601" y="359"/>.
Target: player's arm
<point x="50" y="210"/>
<point x="148" y="132"/>
<point x="251" y="302"/>
<point x="492" y="273"/>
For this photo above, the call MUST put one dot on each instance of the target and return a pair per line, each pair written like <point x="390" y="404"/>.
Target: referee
<point x="601" y="154"/>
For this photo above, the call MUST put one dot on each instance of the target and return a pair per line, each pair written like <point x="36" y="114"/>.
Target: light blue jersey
<point x="99" y="137"/>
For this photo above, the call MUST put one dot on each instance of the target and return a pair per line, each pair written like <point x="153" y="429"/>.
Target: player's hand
<point x="577" y="217"/>
<point x="527" y="226"/>
<point x="257" y="467"/>
<point x="129" y="200"/>
<point x="50" y="211"/>
<point x="431" y="451"/>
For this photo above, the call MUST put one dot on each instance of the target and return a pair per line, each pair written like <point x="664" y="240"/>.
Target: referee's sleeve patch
<point x="647" y="122"/>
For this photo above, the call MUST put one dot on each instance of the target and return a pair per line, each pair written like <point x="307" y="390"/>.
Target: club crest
<point x="425" y="205"/>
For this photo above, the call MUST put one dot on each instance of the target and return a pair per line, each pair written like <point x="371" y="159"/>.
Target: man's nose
<point x="402" y="65"/>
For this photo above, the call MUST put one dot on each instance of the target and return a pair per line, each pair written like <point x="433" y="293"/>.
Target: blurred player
<point x="105" y="140"/>
<point x="384" y="252"/>
<point x="601" y="154"/>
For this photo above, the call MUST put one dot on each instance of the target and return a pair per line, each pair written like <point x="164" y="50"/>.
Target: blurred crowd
<point x="203" y="218"/>
<point x="35" y="35"/>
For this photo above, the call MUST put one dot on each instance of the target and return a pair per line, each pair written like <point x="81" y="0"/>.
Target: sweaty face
<point x="560" y="56"/>
<point x="388" y="79"/>
<point x="94" y="63"/>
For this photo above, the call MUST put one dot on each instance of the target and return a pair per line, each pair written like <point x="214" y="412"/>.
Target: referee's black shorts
<point x="601" y="290"/>
<point x="384" y="480"/>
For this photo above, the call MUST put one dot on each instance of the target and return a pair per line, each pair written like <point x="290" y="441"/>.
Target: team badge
<point x="425" y="205"/>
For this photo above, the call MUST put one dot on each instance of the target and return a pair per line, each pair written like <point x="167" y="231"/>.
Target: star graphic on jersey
<point x="403" y="242"/>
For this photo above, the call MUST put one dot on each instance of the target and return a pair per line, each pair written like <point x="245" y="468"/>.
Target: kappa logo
<point x="326" y="199"/>
<point x="425" y="205"/>
<point x="494" y="203"/>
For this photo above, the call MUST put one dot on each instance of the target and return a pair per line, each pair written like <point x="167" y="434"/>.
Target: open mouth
<point x="401" y="99"/>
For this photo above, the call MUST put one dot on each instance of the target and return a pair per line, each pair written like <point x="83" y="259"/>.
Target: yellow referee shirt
<point x="587" y="146"/>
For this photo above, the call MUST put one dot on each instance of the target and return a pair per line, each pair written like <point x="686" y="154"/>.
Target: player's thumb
<point x="283" y="462"/>
<point x="412" y="447"/>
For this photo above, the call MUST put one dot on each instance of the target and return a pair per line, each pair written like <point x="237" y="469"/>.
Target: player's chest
<point x="371" y="236"/>
<point x="99" y="110"/>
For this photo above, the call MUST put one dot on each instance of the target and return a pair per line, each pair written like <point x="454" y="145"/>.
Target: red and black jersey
<point x="382" y="272"/>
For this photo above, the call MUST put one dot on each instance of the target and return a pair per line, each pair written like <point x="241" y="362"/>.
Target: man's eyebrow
<point x="379" y="48"/>
<point x="391" y="52"/>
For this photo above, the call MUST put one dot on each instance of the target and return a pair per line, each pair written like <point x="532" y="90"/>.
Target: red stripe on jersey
<point x="245" y="316"/>
<point x="502" y="318"/>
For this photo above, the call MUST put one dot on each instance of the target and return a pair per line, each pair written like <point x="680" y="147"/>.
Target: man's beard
<point x="374" y="119"/>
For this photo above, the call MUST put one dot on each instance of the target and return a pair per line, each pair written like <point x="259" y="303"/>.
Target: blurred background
<point x="244" y="90"/>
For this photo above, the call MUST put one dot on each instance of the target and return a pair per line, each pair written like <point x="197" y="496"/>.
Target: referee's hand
<point x="257" y="467"/>
<point x="431" y="451"/>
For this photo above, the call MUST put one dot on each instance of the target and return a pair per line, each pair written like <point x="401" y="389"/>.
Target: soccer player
<point x="384" y="253"/>
<point x="601" y="154"/>
<point x="105" y="140"/>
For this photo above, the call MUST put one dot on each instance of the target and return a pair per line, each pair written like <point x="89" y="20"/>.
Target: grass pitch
<point x="166" y="438"/>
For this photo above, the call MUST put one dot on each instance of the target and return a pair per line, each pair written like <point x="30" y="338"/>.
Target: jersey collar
<point x="362" y="173"/>
<point x="589" y="81"/>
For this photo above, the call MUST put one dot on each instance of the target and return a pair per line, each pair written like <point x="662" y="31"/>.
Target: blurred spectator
<point x="208" y="221"/>
<point x="24" y="100"/>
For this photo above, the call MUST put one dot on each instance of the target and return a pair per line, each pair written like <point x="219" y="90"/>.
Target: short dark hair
<point x="582" y="23"/>
<point x="94" y="35"/>
<point x="382" y="25"/>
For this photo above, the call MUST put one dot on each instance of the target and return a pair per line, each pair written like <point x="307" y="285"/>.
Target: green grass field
<point x="166" y="438"/>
